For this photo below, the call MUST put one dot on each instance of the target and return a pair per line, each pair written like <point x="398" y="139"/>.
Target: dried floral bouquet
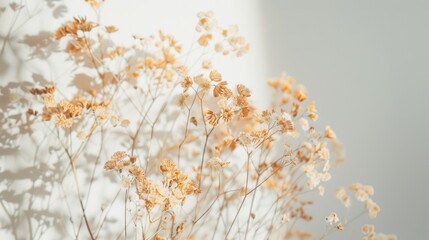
<point x="176" y="152"/>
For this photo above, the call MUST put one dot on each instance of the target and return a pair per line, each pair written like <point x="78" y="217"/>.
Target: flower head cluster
<point x="74" y="28"/>
<point x="65" y="111"/>
<point x="226" y="40"/>
<point x="174" y="189"/>
<point x="363" y="194"/>
<point x="332" y="218"/>
<point x="370" y="234"/>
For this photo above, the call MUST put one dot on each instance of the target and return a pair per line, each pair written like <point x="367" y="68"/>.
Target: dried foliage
<point x="194" y="157"/>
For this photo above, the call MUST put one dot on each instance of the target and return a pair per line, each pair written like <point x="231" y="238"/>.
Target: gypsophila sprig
<point x="179" y="151"/>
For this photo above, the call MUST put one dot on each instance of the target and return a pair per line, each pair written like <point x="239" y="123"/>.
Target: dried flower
<point x="300" y="93"/>
<point x="222" y="90"/>
<point x="215" y="76"/>
<point x="111" y="29"/>
<point x="329" y="133"/>
<point x="332" y="218"/>
<point x="204" y="39"/>
<point x="202" y="82"/>
<point x="186" y="83"/>
<point x="211" y="118"/>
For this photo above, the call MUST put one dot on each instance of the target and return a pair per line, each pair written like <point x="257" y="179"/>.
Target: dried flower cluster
<point x="370" y="234"/>
<point x="194" y="157"/>
<point x="65" y="111"/>
<point x="174" y="189"/>
<point x="223" y="40"/>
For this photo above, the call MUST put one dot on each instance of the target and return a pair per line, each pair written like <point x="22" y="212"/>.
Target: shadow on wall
<point x="27" y="176"/>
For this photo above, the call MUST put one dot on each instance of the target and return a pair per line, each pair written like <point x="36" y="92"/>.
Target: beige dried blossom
<point x="217" y="162"/>
<point x="202" y="82"/>
<point x="215" y="76"/>
<point x="221" y="90"/>
<point x="111" y="29"/>
<point x="113" y="163"/>
<point x="323" y="153"/>
<point x="329" y="133"/>
<point x="370" y="234"/>
<point x="194" y="121"/>
<point x="125" y="122"/>
<point x="62" y="121"/>
<point x="204" y="39"/>
<point x="285" y="218"/>
<point x="101" y="113"/>
<point x="182" y="98"/>
<point x="50" y="89"/>
<point x="211" y="117"/>
<point x="362" y="192"/>
<point x="82" y="135"/>
<point x="382" y="236"/>
<point x="207" y="64"/>
<point x="49" y="101"/>
<point x="94" y="3"/>
<point x="372" y="207"/>
<point x="226" y="114"/>
<point x="186" y="83"/>
<point x="243" y="90"/>
<point x="300" y="93"/>
<point x="72" y="28"/>
<point x="342" y="196"/>
<point x="367" y="229"/>
<point x="218" y="47"/>
<point x="285" y="123"/>
<point x="179" y="229"/>
<point x="332" y="218"/>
